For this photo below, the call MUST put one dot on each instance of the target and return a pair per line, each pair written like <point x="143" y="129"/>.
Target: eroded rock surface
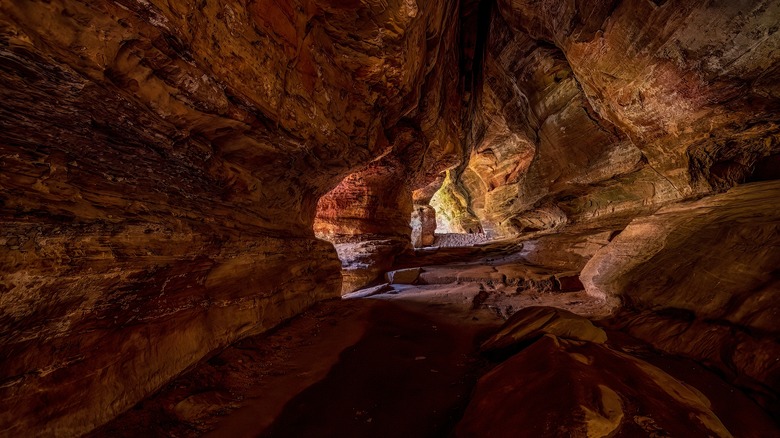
<point x="558" y="387"/>
<point x="694" y="85"/>
<point x="161" y="166"/>
<point x="531" y="323"/>
<point x="700" y="279"/>
<point x="423" y="225"/>
<point x="264" y="385"/>
<point x="176" y="175"/>
<point x="596" y="109"/>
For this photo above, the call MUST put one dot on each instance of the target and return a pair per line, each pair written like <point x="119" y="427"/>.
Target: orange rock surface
<point x="176" y="175"/>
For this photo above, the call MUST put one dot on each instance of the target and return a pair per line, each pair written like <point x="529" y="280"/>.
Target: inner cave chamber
<point x="426" y="218"/>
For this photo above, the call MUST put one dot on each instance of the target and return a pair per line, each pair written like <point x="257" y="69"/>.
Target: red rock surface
<point x="161" y="167"/>
<point x="423" y="225"/>
<point x="699" y="279"/>
<point x="591" y="109"/>
<point x="564" y="388"/>
<point x="176" y="175"/>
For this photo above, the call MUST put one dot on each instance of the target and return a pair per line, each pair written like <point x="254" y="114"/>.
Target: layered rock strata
<point x="595" y="109"/>
<point x="700" y="279"/>
<point x="161" y="167"/>
<point x="166" y="164"/>
<point x="367" y="216"/>
<point x="423" y="225"/>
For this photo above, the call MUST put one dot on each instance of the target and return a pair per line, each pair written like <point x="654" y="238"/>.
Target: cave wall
<point x="165" y="165"/>
<point x="367" y="215"/>
<point x="542" y="149"/>
<point x="604" y="108"/>
<point x="700" y="279"/>
<point x="593" y="115"/>
<point x="692" y="84"/>
<point x="161" y="167"/>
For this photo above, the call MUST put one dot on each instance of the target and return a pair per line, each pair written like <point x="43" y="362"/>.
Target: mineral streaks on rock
<point x="133" y="304"/>
<point x="161" y="166"/>
<point x="592" y="109"/>
<point x="693" y="85"/>
<point x="168" y="168"/>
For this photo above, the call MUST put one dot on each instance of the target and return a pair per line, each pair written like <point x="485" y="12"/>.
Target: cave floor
<point x="384" y="366"/>
<point x="403" y="363"/>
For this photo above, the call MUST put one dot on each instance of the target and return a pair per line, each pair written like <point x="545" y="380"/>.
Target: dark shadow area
<point x="410" y="375"/>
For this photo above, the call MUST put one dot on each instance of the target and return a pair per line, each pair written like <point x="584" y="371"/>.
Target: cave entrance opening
<point x="456" y="223"/>
<point x="366" y="218"/>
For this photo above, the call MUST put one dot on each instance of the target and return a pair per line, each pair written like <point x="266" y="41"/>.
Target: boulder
<point x="367" y="292"/>
<point x="565" y="388"/>
<point x="404" y="276"/>
<point x="531" y="323"/>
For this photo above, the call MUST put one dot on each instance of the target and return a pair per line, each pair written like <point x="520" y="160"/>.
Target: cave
<point x="390" y="218"/>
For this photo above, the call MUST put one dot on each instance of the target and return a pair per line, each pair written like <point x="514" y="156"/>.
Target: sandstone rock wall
<point x="165" y="163"/>
<point x="161" y="167"/>
<point x="423" y="225"/>
<point x="692" y="84"/>
<point x="367" y="216"/>
<point x="700" y="279"/>
<point x="453" y="207"/>
<point x="598" y="112"/>
<point x="602" y="108"/>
